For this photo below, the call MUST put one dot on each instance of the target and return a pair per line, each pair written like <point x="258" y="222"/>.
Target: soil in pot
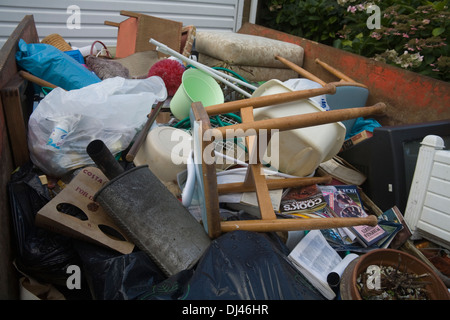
<point x="401" y="276"/>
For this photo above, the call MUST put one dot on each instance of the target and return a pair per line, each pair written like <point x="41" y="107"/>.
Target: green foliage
<point x="316" y="20"/>
<point x="413" y="33"/>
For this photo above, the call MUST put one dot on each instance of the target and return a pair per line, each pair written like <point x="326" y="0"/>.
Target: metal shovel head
<point x="154" y="219"/>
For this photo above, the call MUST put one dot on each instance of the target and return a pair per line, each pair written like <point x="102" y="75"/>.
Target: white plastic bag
<point x="304" y="84"/>
<point x="65" y="122"/>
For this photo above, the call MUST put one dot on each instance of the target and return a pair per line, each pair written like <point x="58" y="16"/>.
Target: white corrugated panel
<point x="57" y="16"/>
<point x="435" y="218"/>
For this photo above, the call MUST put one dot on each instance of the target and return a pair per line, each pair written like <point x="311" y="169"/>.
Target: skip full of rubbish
<point x="120" y="184"/>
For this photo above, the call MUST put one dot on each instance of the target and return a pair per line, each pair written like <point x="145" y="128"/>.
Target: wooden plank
<point x="255" y="171"/>
<point x="8" y="276"/>
<point x="208" y="173"/>
<point x="17" y="110"/>
<point x="79" y="193"/>
<point x="162" y="30"/>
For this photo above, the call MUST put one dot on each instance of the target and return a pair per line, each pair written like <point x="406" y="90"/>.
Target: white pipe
<point x="213" y="73"/>
<point x="187" y="60"/>
<point x="245" y="84"/>
<point x="188" y="191"/>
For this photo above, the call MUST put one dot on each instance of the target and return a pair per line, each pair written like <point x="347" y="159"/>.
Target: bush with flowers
<point x="412" y="35"/>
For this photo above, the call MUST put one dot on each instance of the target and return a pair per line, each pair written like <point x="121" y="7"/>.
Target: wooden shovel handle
<point x="28" y="76"/>
<point x="300" y="70"/>
<point x="143" y="134"/>
<point x="334" y="71"/>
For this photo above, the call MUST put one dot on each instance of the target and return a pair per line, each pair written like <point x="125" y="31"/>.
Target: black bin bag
<point x="115" y="276"/>
<point x="239" y="265"/>
<point x="39" y="253"/>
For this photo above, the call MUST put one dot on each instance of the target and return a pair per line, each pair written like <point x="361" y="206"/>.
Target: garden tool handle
<point x="334" y="71"/>
<point x="143" y="134"/>
<point x="300" y="70"/>
<point x="28" y="76"/>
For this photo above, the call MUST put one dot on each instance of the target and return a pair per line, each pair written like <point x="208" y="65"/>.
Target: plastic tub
<point x="165" y="151"/>
<point x="195" y="86"/>
<point x="300" y="150"/>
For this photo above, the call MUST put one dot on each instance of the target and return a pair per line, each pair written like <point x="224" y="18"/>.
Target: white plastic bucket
<point x="165" y="151"/>
<point x="300" y="150"/>
<point x="195" y="86"/>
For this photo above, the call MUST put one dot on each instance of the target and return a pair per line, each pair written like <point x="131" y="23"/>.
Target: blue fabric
<point x="51" y="64"/>
<point x="362" y="124"/>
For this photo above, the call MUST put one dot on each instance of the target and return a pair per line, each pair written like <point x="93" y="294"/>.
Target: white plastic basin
<point x="165" y="151"/>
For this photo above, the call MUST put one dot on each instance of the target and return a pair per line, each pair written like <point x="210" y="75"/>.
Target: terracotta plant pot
<point x="436" y="289"/>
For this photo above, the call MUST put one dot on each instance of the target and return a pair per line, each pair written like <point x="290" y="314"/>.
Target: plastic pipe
<point x="104" y="159"/>
<point x="213" y="73"/>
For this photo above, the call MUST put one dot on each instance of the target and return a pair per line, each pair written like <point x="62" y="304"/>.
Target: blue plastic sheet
<point x="51" y="64"/>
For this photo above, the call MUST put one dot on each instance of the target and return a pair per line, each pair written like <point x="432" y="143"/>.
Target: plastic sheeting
<point x="52" y="65"/>
<point x="39" y="253"/>
<point x="239" y="265"/>
<point x="115" y="276"/>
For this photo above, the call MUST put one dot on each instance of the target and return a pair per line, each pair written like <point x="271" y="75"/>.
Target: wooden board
<point x="80" y="193"/>
<point x="17" y="109"/>
<point x="135" y="33"/>
<point x="165" y="31"/>
<point x="126" y="38"/>
<point x="26" y="30"/>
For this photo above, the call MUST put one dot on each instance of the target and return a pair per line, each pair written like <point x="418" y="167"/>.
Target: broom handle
<point x="143" y="134"/>
<point x="28" y="76"/>
<point x="300" y="70"/>
<point x="334" y="71"/>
